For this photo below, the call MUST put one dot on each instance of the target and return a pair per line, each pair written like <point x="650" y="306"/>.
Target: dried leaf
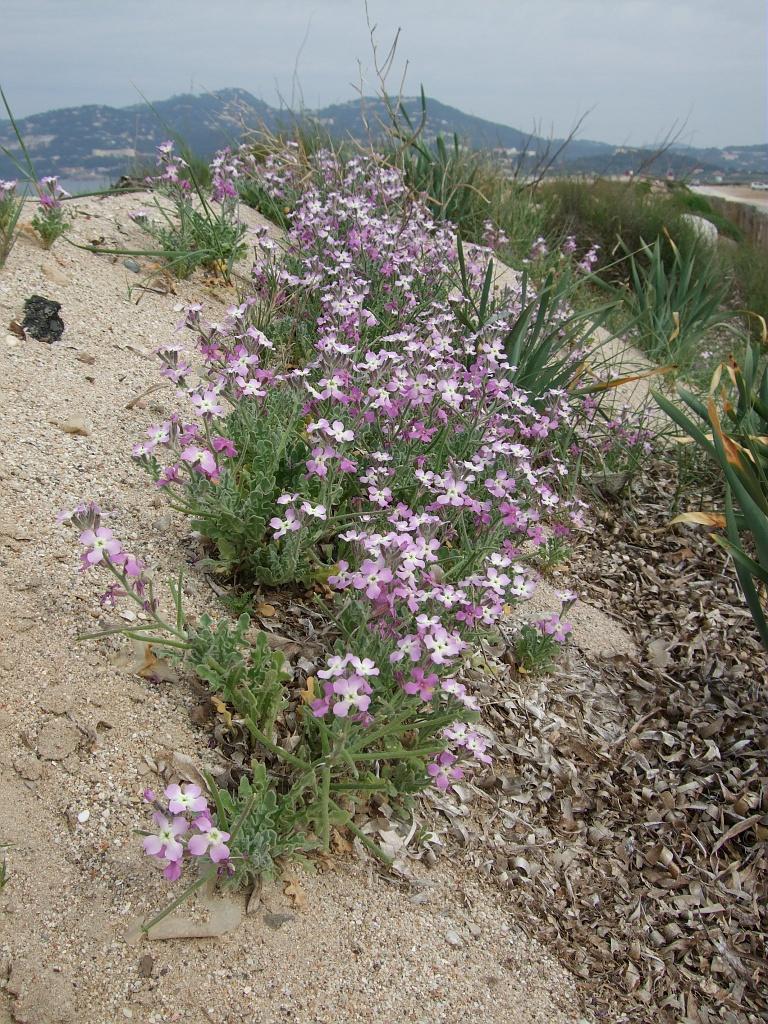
<point x="701" y="518"/>
<point x="222" y="710"/>
<point x="308" y="693"/>
<point x="294" y="892"/>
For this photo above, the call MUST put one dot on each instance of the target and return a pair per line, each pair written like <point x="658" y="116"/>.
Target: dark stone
<point x="276" y="921"/>
<point x="42" y="320"/>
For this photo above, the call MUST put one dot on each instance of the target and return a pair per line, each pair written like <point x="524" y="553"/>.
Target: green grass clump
<point x="619" y="217"/>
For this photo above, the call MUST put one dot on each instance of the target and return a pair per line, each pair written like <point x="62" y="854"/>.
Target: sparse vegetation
<point x="380" y="436"/>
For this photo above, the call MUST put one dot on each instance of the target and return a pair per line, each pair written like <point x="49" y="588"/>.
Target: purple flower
<point x="207" y="404"/>
<point x="371" y="577"/>
<point x="201" y="459"/>
<point x="287" y="525"/>
<point x="224" y="446"/>
<point x="423" y="685"/>
<point x="350" y="692"/>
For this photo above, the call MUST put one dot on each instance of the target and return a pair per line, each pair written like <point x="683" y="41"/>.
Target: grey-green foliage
<point x="265" y="825"/>
<point x="247" y="673"/>
<point x="234" y="513"/>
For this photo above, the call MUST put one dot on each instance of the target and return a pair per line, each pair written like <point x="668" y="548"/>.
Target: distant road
<point x="736" y="193"/>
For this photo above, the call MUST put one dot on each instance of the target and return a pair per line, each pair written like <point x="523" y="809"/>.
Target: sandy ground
<point x="80" y="734"/>
<point x="736" y="193"/>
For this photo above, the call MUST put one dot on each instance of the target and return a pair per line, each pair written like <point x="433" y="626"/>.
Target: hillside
<point x="102" y="141"/>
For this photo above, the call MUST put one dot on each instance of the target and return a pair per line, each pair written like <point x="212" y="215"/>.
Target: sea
<point x="78" y="186"/>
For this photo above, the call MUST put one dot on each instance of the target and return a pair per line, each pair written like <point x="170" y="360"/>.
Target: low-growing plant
<point x="387" y="458"/>
<point x="553" y="552"/>
<point x="535" y="652"/>
<point x="371" y="726"/>
<point x="50" y="220"/>
<point x="11" y="205"/>
<point x="191" y="227"/>
<point x="538" y="644"/>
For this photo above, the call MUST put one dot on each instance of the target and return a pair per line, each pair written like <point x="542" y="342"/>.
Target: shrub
<point x="747" y="265"/>
<point x="619" y="218"/>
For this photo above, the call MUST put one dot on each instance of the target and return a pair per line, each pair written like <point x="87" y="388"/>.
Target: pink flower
<point x="371" y="577"/>
<point x="101" y="544"/>
<point x="316" y="511"/>
<point x="185" y="799"/>
<point x="318" y="464"/>
<point x="407" y="646"/>
<point x="442" y="772"/>
<point x="172" y="871"/>
<point x="201" y="459"/>
<point x="164" y="843"/>
<point x="210" y="840"/>
<point x="442" y="645"/>
<point x="283" y="526"/>
<point x="207" y="404"/>
<point x="225" y="446"/>
<point x="423" y="685"/>
<point x="477" y="745"/>
<point x="351" y="692"/>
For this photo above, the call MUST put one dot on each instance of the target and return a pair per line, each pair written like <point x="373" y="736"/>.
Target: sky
<point x="637" y="68"/>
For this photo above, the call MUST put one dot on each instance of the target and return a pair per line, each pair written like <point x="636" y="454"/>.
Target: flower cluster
<point x="406" y="424"/>
<point x="173" y="170"/>
<point x="184" y="828"/>
<point x="589" y="259"/>
<point x="50" y="221"/>
<point x="102" y="548"/>
<point x="194" y="226"/>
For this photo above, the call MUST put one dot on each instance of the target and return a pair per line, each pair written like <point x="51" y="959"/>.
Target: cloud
<point x="638" y="65"/>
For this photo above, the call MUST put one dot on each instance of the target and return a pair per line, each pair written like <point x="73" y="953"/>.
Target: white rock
<point x="703" y="228"/>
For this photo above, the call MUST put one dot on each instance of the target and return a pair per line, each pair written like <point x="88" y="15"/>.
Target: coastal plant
<point x="11" y="205"/>
<point x="731" y="428"/>
<point x="274" y="184"/>
<point x="538" y="643"/>
<point x="385" y="458"/>
<point x="672" y="305"/>
<point x="192" y="226"/>
<point x="51" y="220"/>
<point x="275" y="455"/>
<point x="371" y="726"/>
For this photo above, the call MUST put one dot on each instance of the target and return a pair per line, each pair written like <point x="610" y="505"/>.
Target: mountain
<point x="100" y="141"/>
